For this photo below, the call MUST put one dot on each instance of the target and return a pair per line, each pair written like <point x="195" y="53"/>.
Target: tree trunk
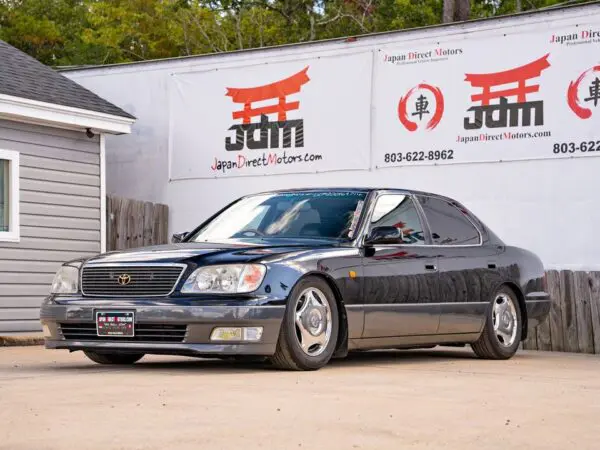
<point x="448" y="14"/>
<point x="462" y="10"/>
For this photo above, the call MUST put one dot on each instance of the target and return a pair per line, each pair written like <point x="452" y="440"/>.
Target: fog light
<point x="226" y="334"/>
<point x="252" y="334"/>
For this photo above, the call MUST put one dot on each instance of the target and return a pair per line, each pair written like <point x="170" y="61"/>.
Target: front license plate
<point x="115" y="323"/>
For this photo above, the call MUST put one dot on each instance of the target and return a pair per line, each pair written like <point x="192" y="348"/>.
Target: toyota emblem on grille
<point x="124" y="279"/>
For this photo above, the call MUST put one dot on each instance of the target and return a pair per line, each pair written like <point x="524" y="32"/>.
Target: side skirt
<point x="408" y="341"/>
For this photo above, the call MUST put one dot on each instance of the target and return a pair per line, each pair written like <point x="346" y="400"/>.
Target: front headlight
<point x="66" y="281"/>
<point x="226" y="279"/>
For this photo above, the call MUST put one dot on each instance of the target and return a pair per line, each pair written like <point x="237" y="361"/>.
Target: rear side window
<point x="449" y="225"/>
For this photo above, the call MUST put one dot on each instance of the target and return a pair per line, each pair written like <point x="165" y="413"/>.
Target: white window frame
<point x="13" y="234"/>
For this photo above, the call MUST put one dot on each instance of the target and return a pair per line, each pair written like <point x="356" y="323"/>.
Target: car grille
<point x="130" y="281"/>
<point x="144" y="332"/>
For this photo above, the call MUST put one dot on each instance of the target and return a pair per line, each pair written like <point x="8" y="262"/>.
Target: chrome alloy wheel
<point x="504" y="318"/>
<point x="313" y="321"/>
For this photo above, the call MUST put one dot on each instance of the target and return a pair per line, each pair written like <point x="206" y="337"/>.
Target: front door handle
<point x="430" y="267"/>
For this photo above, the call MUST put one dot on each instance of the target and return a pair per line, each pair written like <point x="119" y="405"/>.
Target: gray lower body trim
<point x="466" y="317"/>
<point x="421" y="319"/>
<point x="412" y="341"/>
<point x="200" y="321"/>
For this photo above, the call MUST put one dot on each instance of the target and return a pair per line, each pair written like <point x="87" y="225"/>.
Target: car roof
<point x="352" y="189"/>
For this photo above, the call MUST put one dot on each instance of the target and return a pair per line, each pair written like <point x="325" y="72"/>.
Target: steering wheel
<point x="250" y="232"/>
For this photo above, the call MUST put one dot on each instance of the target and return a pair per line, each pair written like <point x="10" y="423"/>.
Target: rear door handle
<point x="430" y="267"/>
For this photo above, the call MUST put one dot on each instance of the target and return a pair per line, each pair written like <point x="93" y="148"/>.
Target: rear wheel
<point x="502" y="333"/>
<point x="114" y="358"/>
<point x="310" y="327"/>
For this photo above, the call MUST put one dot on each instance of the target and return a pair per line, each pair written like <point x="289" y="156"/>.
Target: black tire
<point x="114" y="358"/>
<point x="289" y="354"/>
<point x="489" y="345"/>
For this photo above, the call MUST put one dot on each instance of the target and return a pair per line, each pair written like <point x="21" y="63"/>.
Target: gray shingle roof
<point x="25" y="77"/>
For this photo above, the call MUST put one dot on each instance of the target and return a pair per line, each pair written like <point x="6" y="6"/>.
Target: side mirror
<point x="385" y="235"/>
<point x="178" y="237"/>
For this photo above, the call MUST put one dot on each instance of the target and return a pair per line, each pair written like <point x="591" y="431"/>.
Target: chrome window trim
<point x="117" y="265"/>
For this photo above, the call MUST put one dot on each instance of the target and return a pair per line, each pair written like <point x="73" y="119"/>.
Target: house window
<point x="9" y="196"/>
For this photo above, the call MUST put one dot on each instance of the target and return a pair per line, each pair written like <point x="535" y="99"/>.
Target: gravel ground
<point x="434" y="399"/>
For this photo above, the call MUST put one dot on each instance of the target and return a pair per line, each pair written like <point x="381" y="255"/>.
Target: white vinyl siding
<point x="59" y="216"/>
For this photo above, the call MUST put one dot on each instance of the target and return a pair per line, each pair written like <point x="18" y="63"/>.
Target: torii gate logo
<point x="269" y="132"/>
<point x="505" y="113"/>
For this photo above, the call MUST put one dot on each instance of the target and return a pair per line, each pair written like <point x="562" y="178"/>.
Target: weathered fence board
<point x="567" y="291"/>
<point x="132" y="223"/>
<point x="555" y="319"/>
<point x="148" y="224"/>
<point x="531" y="342"/>
<point x="595" y="309"/>
<point x="544" y="340"/>
<point x="584" y="312"/>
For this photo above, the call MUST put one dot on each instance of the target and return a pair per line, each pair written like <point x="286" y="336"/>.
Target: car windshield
<point x="285" y="215"/>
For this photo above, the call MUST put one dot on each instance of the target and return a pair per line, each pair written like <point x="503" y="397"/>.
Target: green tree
<point x="49" y="30"/>
<point x="76" y="32"/>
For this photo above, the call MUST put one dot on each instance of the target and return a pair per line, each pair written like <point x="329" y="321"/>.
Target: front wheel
<point x="114" y="358"/>
<point x="502" y="332"/>
<point x="310" y="327"/>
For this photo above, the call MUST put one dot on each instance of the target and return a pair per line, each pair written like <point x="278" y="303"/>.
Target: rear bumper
<point x="538" y="307"/>
<point x="199" y="322"/>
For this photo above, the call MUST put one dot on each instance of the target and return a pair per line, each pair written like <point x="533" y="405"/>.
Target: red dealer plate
<point x="115" y="323"/>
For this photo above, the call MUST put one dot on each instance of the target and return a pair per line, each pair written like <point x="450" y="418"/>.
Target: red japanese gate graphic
<point x="573" y="94"/>
<point x="435" y="118"/>
<point x="278" y="90"/>
<point x="519" y="76"/>
<point x="269" y="132"/>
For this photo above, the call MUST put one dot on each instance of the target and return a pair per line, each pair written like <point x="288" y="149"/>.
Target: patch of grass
<point x="18" y="341"/>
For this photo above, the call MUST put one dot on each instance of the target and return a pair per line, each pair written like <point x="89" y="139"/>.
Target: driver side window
<point x="399" y="211"/>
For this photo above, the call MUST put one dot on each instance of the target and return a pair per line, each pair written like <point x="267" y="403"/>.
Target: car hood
<point x="207" y="253"/>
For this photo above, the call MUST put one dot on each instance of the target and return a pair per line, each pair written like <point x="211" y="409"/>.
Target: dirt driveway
<point x="394" y="400"/>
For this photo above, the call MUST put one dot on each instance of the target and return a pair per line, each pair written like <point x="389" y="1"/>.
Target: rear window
<point x="448" y="224"/>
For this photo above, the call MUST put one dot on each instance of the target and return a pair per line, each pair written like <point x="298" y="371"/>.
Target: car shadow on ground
<point x="354" y="359"/>
<point x="420" y="356"/>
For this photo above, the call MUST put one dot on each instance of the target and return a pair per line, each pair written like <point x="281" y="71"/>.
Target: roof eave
<point x="59" y="116"/>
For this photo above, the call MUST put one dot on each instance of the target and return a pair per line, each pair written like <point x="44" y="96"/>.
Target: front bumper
<point x="198" y="320"/>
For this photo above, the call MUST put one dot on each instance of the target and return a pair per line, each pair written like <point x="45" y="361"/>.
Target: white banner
<point x="497" y="98"/>
<point x="302" y="116"/>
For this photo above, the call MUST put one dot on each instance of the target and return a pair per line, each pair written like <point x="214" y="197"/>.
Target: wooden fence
<point x="132" y="223"/>
<point x="574" y="321"/>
